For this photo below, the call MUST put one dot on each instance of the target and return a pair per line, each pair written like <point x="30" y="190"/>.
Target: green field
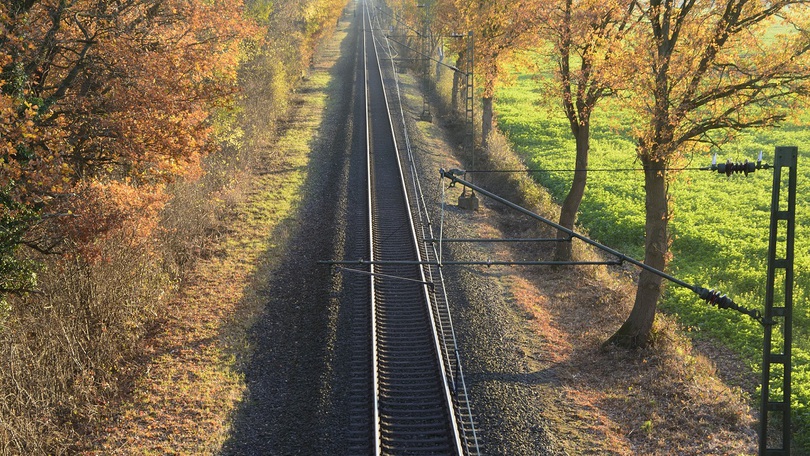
<point x="719" y="227"/>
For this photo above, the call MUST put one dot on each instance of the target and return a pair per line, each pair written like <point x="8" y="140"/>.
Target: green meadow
<point x="719" y="228"/>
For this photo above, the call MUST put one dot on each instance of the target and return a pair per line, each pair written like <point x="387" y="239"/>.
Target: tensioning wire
<point x="578" y="170"/>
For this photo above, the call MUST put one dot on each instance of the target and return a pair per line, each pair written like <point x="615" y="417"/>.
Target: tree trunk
<point x="486" y="120"/>
<point x="570" y="206"/>
<point x="636" y="331"/>
<point x="457" y="78"/>
<point x="439" y="61"/>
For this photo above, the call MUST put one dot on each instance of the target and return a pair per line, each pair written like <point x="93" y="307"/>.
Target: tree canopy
<point x="99" y="98"/>
<point x="703" y="70"/>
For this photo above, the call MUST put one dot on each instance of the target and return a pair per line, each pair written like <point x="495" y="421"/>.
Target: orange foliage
<point x="104" y="103"/>
<point x="500" y="29"/>
<point x="101" y="210"/>
<point x="703" y="69"/>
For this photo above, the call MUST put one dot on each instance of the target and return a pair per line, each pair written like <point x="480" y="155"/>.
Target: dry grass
<point x="664" y="400"/>
<point x="65" y="350"/>
<point x="71" y="351"/>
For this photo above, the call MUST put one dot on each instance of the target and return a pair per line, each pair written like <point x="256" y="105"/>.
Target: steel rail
<point x="426" y="289"/>
<point x="409" y="372"/>
<point x="375" y="407"/>
<point x="439" y="298"/>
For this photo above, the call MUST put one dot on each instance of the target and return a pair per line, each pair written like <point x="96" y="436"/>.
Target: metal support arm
<point x="710" y="296"/>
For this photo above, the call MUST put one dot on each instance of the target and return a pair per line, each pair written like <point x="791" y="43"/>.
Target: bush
<point x="64" y="349"/>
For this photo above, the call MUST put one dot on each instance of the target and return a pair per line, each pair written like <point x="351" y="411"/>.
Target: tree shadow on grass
<point x="287" y="406"/>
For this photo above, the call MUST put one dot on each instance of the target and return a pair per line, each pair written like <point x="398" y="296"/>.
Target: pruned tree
<point x="704" y="68"/>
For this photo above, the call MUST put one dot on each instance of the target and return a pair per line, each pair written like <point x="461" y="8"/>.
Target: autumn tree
<point x="109" y="114"/>
<point x="587" y="39"/>
<point x="500" y="29"/>
<point x="704" y="68"/>
<point x="98" y="97"/>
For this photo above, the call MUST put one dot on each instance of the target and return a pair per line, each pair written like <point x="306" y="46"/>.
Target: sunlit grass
<point x="719" y="227"/>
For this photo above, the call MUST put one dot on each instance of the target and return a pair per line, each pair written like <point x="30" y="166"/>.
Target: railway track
<point x="408" y="394"/>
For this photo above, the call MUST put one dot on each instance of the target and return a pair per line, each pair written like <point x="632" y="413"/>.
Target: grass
<point x="193" y="382"/>
<point x="669" y="399"/>
<point x="719" y="228"/>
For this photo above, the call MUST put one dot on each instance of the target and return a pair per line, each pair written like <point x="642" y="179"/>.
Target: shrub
<point x="64" y="349"/>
